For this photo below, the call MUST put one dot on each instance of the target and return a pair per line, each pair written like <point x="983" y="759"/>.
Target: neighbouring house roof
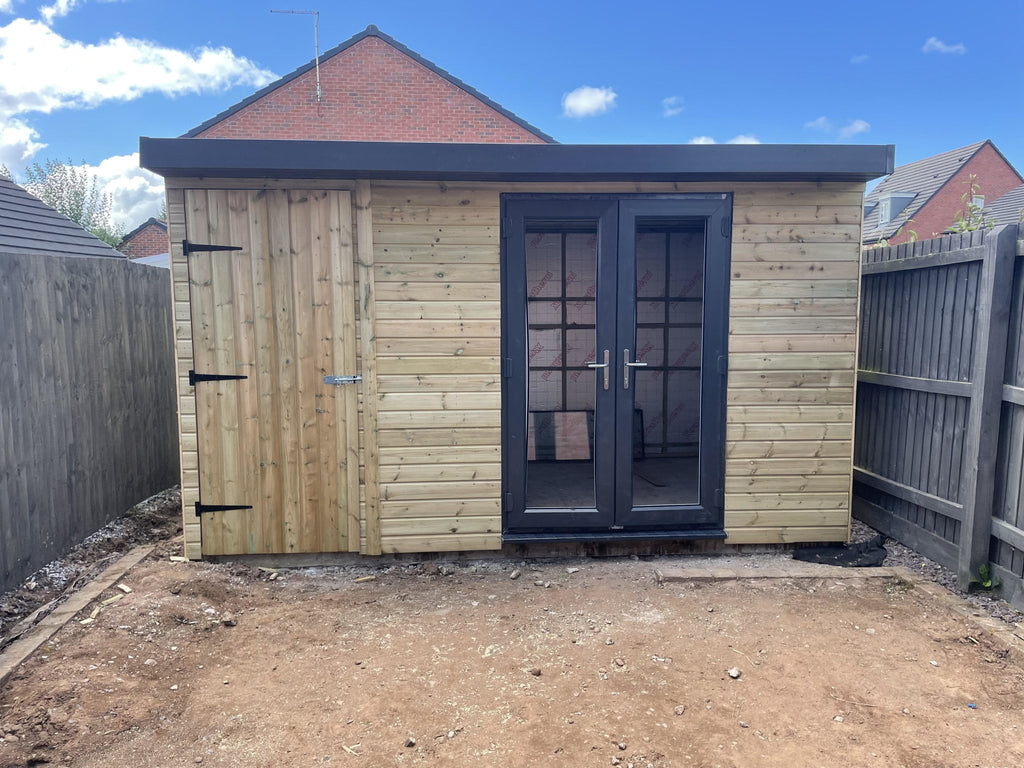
<point x="29" y="226"/>
<point x="1006" y="209"/>
<point x="261" y="158"/>
<point x="922" y="179"/>
<point x="156" y="260"/>
<point x="370" y="31"/>
<point x="152" y="221"/>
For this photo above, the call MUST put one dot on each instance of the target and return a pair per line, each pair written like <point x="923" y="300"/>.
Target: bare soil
<point x="460" y="664"/>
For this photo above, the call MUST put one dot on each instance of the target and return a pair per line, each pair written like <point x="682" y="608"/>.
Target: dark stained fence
<point x="88" y="425"/>
<point x="939" y="449"/>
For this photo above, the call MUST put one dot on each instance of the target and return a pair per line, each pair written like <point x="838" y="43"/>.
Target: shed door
<point x="278" y="449"/>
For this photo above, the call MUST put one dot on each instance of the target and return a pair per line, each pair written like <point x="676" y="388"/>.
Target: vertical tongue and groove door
<point x="273" y="313"/>
<point x="615" y="335"/>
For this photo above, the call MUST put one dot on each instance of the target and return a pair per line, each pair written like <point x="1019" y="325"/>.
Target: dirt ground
<point x="460" y="664"/>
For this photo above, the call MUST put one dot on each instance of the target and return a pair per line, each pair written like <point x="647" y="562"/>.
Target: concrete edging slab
<point x="19" y="651"/>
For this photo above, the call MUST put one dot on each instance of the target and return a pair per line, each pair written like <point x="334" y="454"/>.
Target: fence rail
<point x="939" y="454"/>
<point x="87" y="410"/>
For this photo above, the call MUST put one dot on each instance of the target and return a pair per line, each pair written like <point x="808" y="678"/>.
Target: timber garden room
<point x="392" y="347"/>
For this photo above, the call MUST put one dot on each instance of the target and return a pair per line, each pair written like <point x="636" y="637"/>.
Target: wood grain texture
<point x="87" y="416"/>
<point x="280" y="312"/>
<point x="426" y="270"/>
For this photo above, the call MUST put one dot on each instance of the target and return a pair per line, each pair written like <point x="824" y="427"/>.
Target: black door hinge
<point x="726" y="227"/>
<point x="723" y="365"/>
<point x="187" y="247"/>
<point x="719" y="497"/>
<point x="506" y="227"/>
<point x="193" y="377"/>
<point x="201" y="508"/>
<point x="506" y="367"/>
<point x="508" y="502"/>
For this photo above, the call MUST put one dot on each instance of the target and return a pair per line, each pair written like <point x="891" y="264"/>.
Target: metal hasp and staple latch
<point x="339" y="380"/>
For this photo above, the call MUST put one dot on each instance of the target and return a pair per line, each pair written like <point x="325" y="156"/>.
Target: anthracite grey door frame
<point x="614" y="516"/>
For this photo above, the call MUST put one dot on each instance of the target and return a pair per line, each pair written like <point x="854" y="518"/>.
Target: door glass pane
<point x="561" y="291"/>
<point x="669" y="330"/>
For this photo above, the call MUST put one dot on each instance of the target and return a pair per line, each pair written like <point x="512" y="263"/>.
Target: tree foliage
<point x="972" y="216"/>
<point x="76" y="193"/>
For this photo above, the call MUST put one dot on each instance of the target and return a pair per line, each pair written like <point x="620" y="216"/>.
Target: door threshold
<point x="614" y="536"/>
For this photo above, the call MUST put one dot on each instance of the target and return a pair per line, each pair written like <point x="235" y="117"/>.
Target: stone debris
<point x="515" y="574"/>
<point x="734" y="673"/>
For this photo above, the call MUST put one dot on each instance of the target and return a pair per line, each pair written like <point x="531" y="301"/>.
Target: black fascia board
<point x="251" y="158"/>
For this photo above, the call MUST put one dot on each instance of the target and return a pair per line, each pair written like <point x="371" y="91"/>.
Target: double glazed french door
<point x="615" y="316"/>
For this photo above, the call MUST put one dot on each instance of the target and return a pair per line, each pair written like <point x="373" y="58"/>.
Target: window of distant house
<point x="884" y="208"/>
<point x="978" y="201"/>
<point x="891" y="206"/>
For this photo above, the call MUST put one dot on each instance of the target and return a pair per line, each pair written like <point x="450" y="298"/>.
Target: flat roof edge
<point x="258" y="158"/>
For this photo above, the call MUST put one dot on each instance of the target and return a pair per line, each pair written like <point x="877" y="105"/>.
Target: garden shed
<point x="389" y="347"/>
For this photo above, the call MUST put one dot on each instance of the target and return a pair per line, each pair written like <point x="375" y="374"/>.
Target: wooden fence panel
<point x="1008" y="511"/>
<point x="941" y="375"/>
<point x="87" y="413"/>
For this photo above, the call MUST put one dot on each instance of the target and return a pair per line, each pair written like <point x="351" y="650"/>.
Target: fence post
<point x="981" y="442"/>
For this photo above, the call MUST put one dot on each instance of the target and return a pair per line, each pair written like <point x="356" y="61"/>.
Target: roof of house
<point x="370" y="31"/>
<point x="262" y="158"/>
<point x="27" y="225"/>
<point x="156" y="260"/>
<point x="1008" y="209"/>
<point x="922" y="179"/>
<point x="151" y="221"/>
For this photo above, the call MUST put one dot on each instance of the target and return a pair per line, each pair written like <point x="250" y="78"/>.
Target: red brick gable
<point x="148" y="240"/>
<point x="371" y="91"/>
<point x="994" y="176"/>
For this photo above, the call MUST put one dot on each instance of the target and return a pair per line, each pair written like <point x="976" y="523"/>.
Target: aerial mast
<point x="316" y="44"/>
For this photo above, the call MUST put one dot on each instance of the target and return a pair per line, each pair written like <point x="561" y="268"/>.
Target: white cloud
<point x="851" y="130"/>
<point x="743" y="138"/>
<point x="820" y="124"/>
<point x="59" y="8"/>
<point x="934" y="45"/>
<point x="40" y="71"/>
<point x="586" y="101"/>
<point x="18" y="142"/>
<point x="671" y="106"/>
<point x="860" y="58"/>
<point x="135" y="193"/>
<point x="6" y="6"/>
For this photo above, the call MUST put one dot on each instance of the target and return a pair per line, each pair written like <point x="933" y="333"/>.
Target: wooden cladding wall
<point x="940" y="416"/>
<point x="428" y="302"/>
<point x="438" y="336"/>
<point x="86" y="400"/>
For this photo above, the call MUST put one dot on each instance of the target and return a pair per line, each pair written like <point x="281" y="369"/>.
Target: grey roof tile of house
<point x="29" y="226"/>
<point x="922" y="178"/>
<point x="1008" y="209"/>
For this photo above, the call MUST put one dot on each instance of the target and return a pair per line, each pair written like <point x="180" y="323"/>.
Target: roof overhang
<point x="262" y="159"/>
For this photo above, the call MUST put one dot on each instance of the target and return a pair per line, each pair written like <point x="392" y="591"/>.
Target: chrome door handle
<point x="606" y="365"/>
<point x="626" y="365"/>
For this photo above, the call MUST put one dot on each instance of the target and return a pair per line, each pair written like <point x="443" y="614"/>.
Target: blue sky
<point x="83" y="79"/>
